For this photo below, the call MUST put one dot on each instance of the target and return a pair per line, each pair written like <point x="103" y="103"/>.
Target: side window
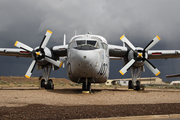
<point x="72" y="44"/>
<point x="105" y="46"/>
<point x="100" y="45"/>
<point x="97" y="45"/>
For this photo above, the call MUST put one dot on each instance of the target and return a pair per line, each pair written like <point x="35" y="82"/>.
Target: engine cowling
<point x="41" y="54"/>
<point x="138" y="55"/>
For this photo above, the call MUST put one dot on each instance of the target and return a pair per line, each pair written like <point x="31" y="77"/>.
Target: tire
<point x="89" y="87"/>
<point x="130" y="85"/>
<point x="138" y="85"/>
<point x="84" y="87"/>
<point x="50" y="84"/>
<point x="42" y="83"/>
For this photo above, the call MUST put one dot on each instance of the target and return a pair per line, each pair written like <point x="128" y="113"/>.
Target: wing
<point x="59" y="51"/>
<point x="14" y="52"/>
<point x="117" y="51"/>
<point x="173" y="75"/>
<point x="163" y="54"/>
<point x="116" y="58"/>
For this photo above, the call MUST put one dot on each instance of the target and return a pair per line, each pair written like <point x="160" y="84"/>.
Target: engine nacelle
<point x="137" y="55"/>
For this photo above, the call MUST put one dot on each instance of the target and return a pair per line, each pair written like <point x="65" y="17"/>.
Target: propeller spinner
<point x="38" y="53"/>
<point x="139" y="55"/>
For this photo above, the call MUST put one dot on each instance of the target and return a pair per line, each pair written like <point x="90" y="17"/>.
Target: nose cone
<point x="84" y="64"/>
<point x="85" y="59"/>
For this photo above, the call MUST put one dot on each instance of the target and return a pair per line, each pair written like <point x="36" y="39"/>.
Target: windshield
<point x="86" y="44"/>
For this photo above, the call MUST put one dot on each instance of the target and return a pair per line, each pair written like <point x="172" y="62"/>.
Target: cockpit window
<point x="80" y="42"/>
<point x="87" y="44"/>
<point x="91" y="43"/>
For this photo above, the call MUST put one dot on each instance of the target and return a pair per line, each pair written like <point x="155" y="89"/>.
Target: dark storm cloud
<point x="139" y="20"/>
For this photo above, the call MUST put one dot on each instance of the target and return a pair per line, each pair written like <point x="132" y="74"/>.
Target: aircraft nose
<point x="85" y="60"/>
<point x="85" y="64"/>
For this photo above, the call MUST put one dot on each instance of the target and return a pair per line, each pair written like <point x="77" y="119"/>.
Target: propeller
<point x="139" y="55"/>
<point x="39" y="54"/>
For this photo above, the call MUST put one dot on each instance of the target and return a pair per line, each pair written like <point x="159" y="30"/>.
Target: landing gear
<point x="134" y="84"/>
<point x="46" y="82"/>
<point x="130" y="85"/>
<point x="42" y="83"/>
<point x="138" y="85"/>
<point x="49" y="85"/>
<point x="86" y="87"/>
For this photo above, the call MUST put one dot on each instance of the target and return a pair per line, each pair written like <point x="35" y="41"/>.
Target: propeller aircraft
<point x="87" y="59"/>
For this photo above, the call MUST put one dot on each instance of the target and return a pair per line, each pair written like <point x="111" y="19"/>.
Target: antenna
<point x="75" y="32"/>
<point x="64" y="43"/>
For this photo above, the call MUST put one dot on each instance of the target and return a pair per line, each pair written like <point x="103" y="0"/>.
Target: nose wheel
<point x="86" y="87"/>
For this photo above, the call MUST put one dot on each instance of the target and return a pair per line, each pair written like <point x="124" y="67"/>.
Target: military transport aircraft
<point x="87" y="58"/>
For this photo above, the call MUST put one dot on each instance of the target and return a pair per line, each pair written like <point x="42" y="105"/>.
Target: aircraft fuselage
<point x="88" y="59"/>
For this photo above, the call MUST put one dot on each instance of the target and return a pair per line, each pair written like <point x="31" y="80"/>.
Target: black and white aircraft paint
<point x="87" y="58"/>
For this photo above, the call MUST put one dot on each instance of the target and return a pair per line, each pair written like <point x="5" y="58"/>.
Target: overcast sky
<point x="140" y="20"/>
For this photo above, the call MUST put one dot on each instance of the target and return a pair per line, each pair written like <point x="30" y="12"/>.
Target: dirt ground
<point x="70" y="103"/>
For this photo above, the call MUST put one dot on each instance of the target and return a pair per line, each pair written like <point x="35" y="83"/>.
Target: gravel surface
<point x="70" y="103"/>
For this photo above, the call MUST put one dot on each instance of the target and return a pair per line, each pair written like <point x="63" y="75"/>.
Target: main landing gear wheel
<point x="130" y="85"/>
<point x="49" y="85"/>
<point x="42" y="83"/>
<point x="138" y="85"/>
<point x="86" y="88"/>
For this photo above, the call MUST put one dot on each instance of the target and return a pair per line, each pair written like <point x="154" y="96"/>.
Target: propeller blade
<point x="46" y="39"/>
<point x="128" y="43"/>
<point x="23" y="46"/>
<point x="152" y="68"/>
<point x="127" y="66"/>
<point x="30" y="69"/>
<point x="56" y="63"/>
<point x="152" y="43"/>
<point x="63" y="59"/>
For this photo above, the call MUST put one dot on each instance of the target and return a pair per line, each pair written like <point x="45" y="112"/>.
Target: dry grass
<point x="14" y="81"/>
